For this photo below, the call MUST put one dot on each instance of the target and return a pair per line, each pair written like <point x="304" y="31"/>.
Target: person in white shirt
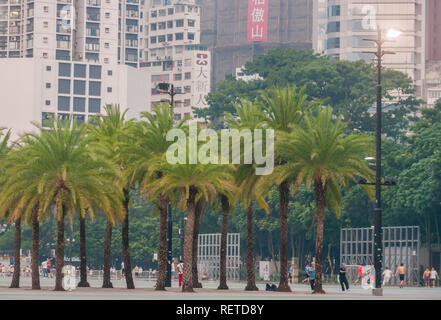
<point x="433" y="276"/>
<point x="387" y="275"/>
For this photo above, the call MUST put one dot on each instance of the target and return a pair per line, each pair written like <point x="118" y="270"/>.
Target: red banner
<point x="257" y="20"/>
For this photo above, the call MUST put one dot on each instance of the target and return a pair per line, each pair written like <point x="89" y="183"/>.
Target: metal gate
<point x="209" y="255"/>
<point x="400" y="245"/>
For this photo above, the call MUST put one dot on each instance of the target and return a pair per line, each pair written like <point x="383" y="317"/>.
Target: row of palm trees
<point x="73" y="171"/>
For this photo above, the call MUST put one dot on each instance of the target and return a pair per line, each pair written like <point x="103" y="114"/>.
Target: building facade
<point x="70" y="58"/>
<point x="224" y="25"/>
<point x="341" y="25"/>
<point x="173" y="55"/>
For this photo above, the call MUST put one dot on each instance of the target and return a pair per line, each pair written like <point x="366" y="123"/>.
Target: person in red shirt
<point x="359" y="274"/>
<point x="49" y="274"/>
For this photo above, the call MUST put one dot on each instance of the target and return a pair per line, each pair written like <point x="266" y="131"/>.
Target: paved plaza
<point x="144" y="291"/>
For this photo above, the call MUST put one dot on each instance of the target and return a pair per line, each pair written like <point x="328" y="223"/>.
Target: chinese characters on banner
<point x="202" y="75"/>
<point x="257" y="20"/>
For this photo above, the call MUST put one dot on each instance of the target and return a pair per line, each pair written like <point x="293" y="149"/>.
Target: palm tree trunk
<point x="283" y="203"/>
<point x="223" y="250"/>
<point x="17" y="246"/>
<point x="251" y="279"/>
<point x="83" y="261"/>
<point x="320" y="195"/>
<point x="107" y="247"/>
<point x="125" y="243"/>
<point x="187" y="277"/>
<point x="194" y="265"/>
<point x="162" y="261"/>
<point x="35" y="249"/>
<point x="59" y="264"/>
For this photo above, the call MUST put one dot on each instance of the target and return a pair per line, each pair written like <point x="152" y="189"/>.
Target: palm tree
<point x="109" y="134"/>
<point x="320" y="153"/>
<point x="249" y="116"/>
<point x="225" y="204"/>
<point x="69" y="178"/>
<point x="148" y="147"/>
<point x="284" y="107"/>
<point x="190" y="183"/>
<point x="4" y="150"/>
<point x="19" y="197"/>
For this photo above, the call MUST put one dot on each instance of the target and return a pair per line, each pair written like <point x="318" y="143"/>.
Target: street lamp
<point x="378" y="246"/>
<point x="169" y="88"/>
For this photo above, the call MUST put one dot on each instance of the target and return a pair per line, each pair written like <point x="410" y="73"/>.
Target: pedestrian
<point x="426" y="278"/>
<point x="180" y="272"/>
<point x="359" y="274"/>
<point x="387" y="275"/>
<point x="48" y="265"/>
<point x="401" y="271"/>
<point x="342" y="277"/>
<point x="433" y="276"/>
<point x="173" y="270"/>
<point x="312" y="276"/>
<point x="122" y="270"/>
<point x="307" y="274"/>
<point x="290" y="273"/>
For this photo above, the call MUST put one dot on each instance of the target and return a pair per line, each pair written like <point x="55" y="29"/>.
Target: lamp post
<point x="378" y="245"/>
<point x="169" y="89"/>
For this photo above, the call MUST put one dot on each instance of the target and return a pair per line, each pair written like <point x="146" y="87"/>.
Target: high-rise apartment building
<point x="341" y="25"/>
<point x="173" y="54"/>
<point x="69" y="58"/>
<point x="224" y="26"/>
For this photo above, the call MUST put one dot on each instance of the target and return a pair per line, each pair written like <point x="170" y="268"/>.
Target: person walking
<point x="433" y="276"/>
<point x="342" y="277"/>
<point x="312" y="276"/>
<point x="426" y="278"/>
<point x="387" y="275"/>
<point x="290" y="273"/>
<point x="180" y="272"/>
<point x="307" y="274"/>
<point x="48" y="266"/>
<point x="359" y="274"/>
<point x="401" y="271"/>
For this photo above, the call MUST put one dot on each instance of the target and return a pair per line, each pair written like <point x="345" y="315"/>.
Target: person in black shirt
<point x="342" y="277"/>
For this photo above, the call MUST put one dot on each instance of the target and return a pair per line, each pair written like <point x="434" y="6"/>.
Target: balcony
<point x="63" y="44"/>
<point x="94" y="3"/>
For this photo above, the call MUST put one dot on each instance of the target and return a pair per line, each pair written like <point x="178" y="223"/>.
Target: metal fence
<point x="400" y="245"/>
<point x="209" y="256"/>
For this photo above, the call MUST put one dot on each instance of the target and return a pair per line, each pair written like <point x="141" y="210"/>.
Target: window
<point x="80" y="87"/>
<point x="94" y="88"/>
<point x="106" y="60"/>
<point x="187" y="89"/>
<point x="109" y="89"/>
<point x="64" y="69"/>
<point x="107" y="14"/>
<point x="178" y="76"/>
<point x="154" y="14"/>
<point x="179" y="23"/>
<point x="152" y="39"/>
<point x="333" y="26"/>
<point x="48" y="85"/>
<point x="63" y="103"/>
<point x="190" y="36"/>
<point x="187" y="75"/>
<point x="94" y="105"/>
<point x="48" y="68"/>
<point x="179" y="36"/>
<point x="80" y="71"/>
<point x="153" y="26"/>
<point x="64" y="86"/>
<point x="333" y="43"/>
<point x="46" y="24"/>
<point x="106" y="45"/>
<point x="79" y="104"/>
<point x="48" y="102"/>
<point x="162" y="12"/>
<point x="46" y="118"/>
<point x="45" y="39"/>
<point x="107" y="30"/>
<point x="170" y="11"/>
<point x="161" y="25"/>
<point x="191" y="23"/>
<point x="334" y="11"/>
<point x="46" y="9"/>
<point x="170" y="24"/>
<point x="109" y="72"/>
<point x="187" y="103"/>
<point x="95" y="72"/>
<point x="169" y="37"/>
<point x="161" y="39"/>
